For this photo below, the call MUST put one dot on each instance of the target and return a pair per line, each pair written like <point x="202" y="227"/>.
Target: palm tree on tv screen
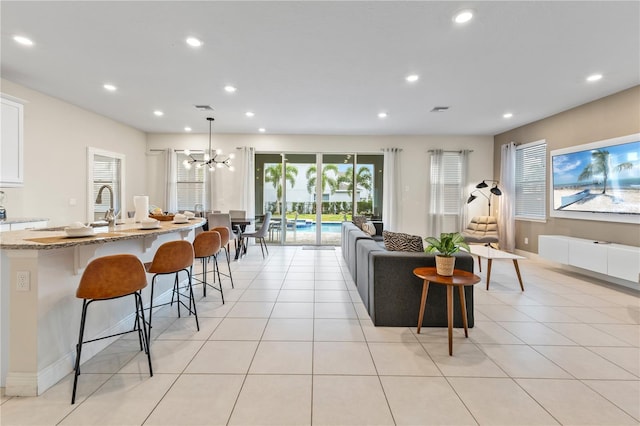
<point x="600" y="165"/>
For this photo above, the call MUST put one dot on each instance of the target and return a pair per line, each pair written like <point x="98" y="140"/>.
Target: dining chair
<point x="261" y="233"/>
<point x="238" y="214"/>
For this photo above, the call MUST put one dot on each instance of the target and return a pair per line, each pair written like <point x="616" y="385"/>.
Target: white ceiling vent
<point x="203" y="107"/>
<point x="440" y="109"/>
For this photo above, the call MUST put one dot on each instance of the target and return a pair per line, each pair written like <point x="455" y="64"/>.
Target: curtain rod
<point x="459" y="150"/>
<point x="181" y="150"/>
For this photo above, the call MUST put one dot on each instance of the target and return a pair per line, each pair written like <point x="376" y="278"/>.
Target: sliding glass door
<point x="308" y="206"/>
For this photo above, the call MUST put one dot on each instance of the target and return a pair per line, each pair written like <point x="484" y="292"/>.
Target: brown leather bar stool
<point x="224" y="235"/>
<point x="107" y="278"/>
<point x="206" y="246"/>
<point x="173" y="257"/>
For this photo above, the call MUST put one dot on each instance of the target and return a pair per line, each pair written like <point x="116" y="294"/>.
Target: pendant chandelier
<point x="212" y="159"/>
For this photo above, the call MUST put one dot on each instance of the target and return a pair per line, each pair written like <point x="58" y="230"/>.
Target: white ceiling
<point x="310" y="67"/>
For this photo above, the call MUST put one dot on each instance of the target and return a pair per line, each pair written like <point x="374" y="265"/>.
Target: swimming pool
<point x="310" y="227"/>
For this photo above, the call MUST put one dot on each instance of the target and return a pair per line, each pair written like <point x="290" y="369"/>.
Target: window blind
<point x="531" y="181"/>
<point x="451" y="178"/>
<point x="190" y="183"/>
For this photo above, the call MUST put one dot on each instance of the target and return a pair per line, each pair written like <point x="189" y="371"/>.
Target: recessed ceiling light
<point x="23" y="40"/>
<point x="158" y="113"/>
<point x="262" y="130"/>
<point x="187" y="129"/>
<point x="412" y="78"/>
<point x="507" y="115"/>
<point x="594" y="77"/>
<point x="382" y="115"/>
<point x="463" y="16"/>
<point x="194" y="42"/>
<point x="230" y="89"/>
<point x="110" y="87"/>
<point x="249" y="114"/>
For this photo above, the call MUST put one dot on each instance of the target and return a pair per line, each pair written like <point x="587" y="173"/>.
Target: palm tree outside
<point x="330" y="181"/>
<point x="363" y="179"/>
<point x="273" y="174"/>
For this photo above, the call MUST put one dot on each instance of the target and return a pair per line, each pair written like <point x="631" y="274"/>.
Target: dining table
<point x="241" y="224"/>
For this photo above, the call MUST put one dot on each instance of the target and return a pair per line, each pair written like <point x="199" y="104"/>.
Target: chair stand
<point x="191" y="308"/>
<point x="143" y="336"/>
<point x="204" y="282"/>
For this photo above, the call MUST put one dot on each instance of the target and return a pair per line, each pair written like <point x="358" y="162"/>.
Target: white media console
<point x="612" y="260"/>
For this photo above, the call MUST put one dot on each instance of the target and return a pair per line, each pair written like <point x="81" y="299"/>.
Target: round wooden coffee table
<point x="459" y="279"/>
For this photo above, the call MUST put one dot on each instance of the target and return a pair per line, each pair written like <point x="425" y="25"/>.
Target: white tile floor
<point x="294" y="345"/>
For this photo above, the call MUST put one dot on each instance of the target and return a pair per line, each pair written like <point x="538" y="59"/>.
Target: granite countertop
<point x="55" y="239"/>
<point x="11" y="220"/>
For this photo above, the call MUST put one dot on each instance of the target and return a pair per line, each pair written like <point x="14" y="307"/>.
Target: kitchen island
<point x="40" y="315"/>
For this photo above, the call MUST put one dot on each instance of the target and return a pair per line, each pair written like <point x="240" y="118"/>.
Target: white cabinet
<point x="11" y="145"/>
<point x="614" y="260"/>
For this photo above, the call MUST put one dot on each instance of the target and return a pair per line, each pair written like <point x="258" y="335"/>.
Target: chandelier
<point x="212" y="159"/>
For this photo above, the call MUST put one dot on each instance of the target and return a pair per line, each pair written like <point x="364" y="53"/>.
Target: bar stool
<point x="224" y="243"/>
<point x="206" y="246"/>
<point x="106" y="278"/>
<point x="171" y="258"/>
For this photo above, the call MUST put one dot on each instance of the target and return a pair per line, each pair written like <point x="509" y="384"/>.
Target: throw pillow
<point x="397" y="241"/>
<point x="359" y="220"/>
<point x="369" y="228"/>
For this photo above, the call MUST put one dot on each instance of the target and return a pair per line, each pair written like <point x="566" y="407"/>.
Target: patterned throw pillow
<point x="396" y="241"/>
<point x="369" y="228"/>
<point x="359" y="220"/>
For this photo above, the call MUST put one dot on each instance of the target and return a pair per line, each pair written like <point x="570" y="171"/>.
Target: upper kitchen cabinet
<point x="11" y="145"/>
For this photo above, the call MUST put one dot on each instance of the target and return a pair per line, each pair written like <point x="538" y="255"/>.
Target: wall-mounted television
<point x="597" y="181"/>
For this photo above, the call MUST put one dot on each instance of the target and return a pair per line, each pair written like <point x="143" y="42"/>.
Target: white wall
<point x="56" y="137"/>
<point x="414" y="160"/>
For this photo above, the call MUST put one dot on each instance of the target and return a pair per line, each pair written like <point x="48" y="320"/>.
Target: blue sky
<point x="567" y="167"/>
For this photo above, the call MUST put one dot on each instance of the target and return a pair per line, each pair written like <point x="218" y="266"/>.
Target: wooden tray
<point x="162" y="217"/>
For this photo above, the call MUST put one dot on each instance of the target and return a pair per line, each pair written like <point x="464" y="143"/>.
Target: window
<point x="449" y="175"/>
<point x="531" y="173"/>
<point x="190" y="183"/>
<point x="104" y="170"/>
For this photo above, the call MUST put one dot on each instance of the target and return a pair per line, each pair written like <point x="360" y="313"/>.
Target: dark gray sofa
<point x="390" y="291"/>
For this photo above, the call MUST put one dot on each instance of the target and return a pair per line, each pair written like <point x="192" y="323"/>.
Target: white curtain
<point x="391" y="189"/>
<point x="435" y="219"/>
<point x="171" y="181"/>
<point x="463" y="218"/>
<point x="506" y="203"/>
<point x="246" y="168"/>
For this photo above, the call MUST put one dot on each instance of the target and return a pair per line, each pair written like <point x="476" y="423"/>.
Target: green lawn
<point x="325" y="217"/>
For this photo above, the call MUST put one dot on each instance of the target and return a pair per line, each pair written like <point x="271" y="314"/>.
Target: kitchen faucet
<point x="109" y="215"/>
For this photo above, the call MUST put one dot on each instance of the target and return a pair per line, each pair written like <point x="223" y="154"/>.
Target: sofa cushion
<point x="369" y="228"/>
<point x="397" y="241"/>
<point x="359" y="221"/>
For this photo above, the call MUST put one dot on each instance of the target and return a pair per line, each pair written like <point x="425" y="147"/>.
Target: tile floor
<point x="294" y="345"/>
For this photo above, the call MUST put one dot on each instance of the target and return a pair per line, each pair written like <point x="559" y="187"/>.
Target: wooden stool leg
<point x="423" y="302"/>
<point x="450" y="317"/>
<point x="515" y="263"/>
<point x="463" y="305"/>
<point x="479" y="264"/>
<point x="488" y="272"/>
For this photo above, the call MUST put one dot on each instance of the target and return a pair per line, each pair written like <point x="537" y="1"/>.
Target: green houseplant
<point x="445" y="247"/>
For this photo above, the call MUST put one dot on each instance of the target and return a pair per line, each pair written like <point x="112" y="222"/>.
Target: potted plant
<point x="446" y="246"/>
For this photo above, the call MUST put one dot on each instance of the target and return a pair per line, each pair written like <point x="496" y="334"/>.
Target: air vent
<point x="204" y="107"/>
<point x="440" y="109"/>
